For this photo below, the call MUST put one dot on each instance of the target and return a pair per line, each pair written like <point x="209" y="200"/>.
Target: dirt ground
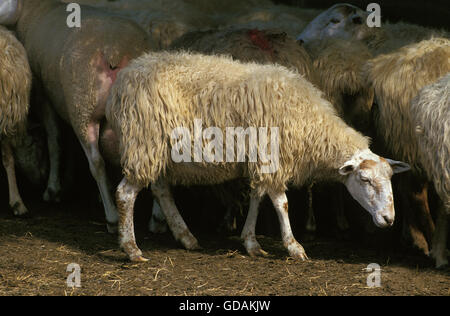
<point x="35" y="253"/>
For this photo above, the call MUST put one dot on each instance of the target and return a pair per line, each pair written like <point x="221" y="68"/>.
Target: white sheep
<point x="15" y="85"/>
<point x="162" y="94"/>
<point x="396" y="79"/>
<point x="78" y="69"/>
<point x="430" y="112"/>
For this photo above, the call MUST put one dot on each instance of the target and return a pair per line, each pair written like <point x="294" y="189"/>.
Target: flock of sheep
<point x="137" y="70"/>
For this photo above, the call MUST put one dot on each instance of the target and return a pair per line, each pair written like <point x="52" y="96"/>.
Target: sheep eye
<point x="334" y="21"/>
<point x="364" y="179"/>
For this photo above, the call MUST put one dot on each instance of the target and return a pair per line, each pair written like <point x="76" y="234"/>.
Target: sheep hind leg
<point x="97" y="167"/>
<point x="438" y="251"/>
<point x="15" y="200"/>
<point x="176" y="223"/>
<point x="248" y="232"/>
<point x="50" y="121"/>
<point x="294" y="248"/>
<point x="157" y="224"/>
<point x="125" y="197"/>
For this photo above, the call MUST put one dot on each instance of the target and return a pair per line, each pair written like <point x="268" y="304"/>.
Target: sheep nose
<point x="388" y="219"/>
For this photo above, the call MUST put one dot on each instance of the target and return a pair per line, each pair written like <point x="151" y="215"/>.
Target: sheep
<point x="430" y="114"/>
<point x="281" y="18"/>
<point x="77" y="70"/>
<point x="15" y="86"/>
<point x="386" y="39"/>
<point x="397" y="78"/>
<point x="338" y="64"/>
<point x="339" y="75"/>
<point x="165" y="21"/>
<point x="162" y="94"/>
<point x="396" y="35"/>
<point x="340" y="21"/>
<point x="262" y="46"/>
<point x="348" y="22"/>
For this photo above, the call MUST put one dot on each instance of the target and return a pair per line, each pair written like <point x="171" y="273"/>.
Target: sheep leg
<point x="248" y="232"/>
<point x="157" y="224"/>
<point x="50" y="121"/>
<point x="311" y="225"/>
<point x="97" y="167"/>
<point x="176" y="223"/>
<point x="15" y="200"/>
<point x="125" y="197"/>
<point x="438" y="252"/>
<point x="294" y="248"/>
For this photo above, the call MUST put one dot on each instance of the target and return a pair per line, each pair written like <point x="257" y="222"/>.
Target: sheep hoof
<point x="19" y="209"/>
<point x="51" y="195"/>
<point x="441" y="260"/>
<point x="441" y="263"/>
<point x="257" y="252"/>
<point x="112" y="228"/>
<point x="297" y="252"/>
<point x="190" y="242"/>
<point x="138" y="259"/>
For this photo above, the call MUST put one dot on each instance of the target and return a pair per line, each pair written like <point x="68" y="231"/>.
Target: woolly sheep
<point x="15" y="85"/>
<point x="250" y="45"/>
<point x="77" y="70"/>
<point x="348" y="22"/>
<point x="247" y="45"/>
<point x="397" y="78"/>
<point x="430" y="112"/>
<point x="161" y="92"/>
<point x="338" y="64"/>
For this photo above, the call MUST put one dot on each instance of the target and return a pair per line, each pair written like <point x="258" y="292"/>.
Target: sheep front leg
<point x="125" y="197"/>
<point x="176" y="223"/>
<point x="248" y="232"/>
<point x="15" y="200"/>
<point x="294" y="248"/>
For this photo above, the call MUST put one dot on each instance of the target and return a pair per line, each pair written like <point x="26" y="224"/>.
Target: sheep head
<point x="9" y="11"/>
<point x="341" y="20"/>
<point x="368" y="179"/>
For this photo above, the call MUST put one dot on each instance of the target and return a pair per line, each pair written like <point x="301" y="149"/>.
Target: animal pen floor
<point x="35" y="253"/>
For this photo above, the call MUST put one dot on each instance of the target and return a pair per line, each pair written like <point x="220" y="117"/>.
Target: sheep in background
<point x="338" y="64"/>
<point x="430" y="114"/>
<point x="340" y="21"/>
<point x="349" y="22"/>
<point x="396" y="79"/>
<point x="279" y="17"/>
<point x="397" y="35"/>
<point x="15" y="85"/>
<point x="161" y="92"/>
<point x="77" y="70"/>
<point x="251" y="45"/>
<point x="386" y="39"/>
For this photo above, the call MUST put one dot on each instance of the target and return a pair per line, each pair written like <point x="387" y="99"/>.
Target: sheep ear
<point x="398" y="166"/>
<point x="347" y="168"/>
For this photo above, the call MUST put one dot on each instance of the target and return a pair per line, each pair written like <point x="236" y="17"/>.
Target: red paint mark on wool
<point x="257" y="37"/>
